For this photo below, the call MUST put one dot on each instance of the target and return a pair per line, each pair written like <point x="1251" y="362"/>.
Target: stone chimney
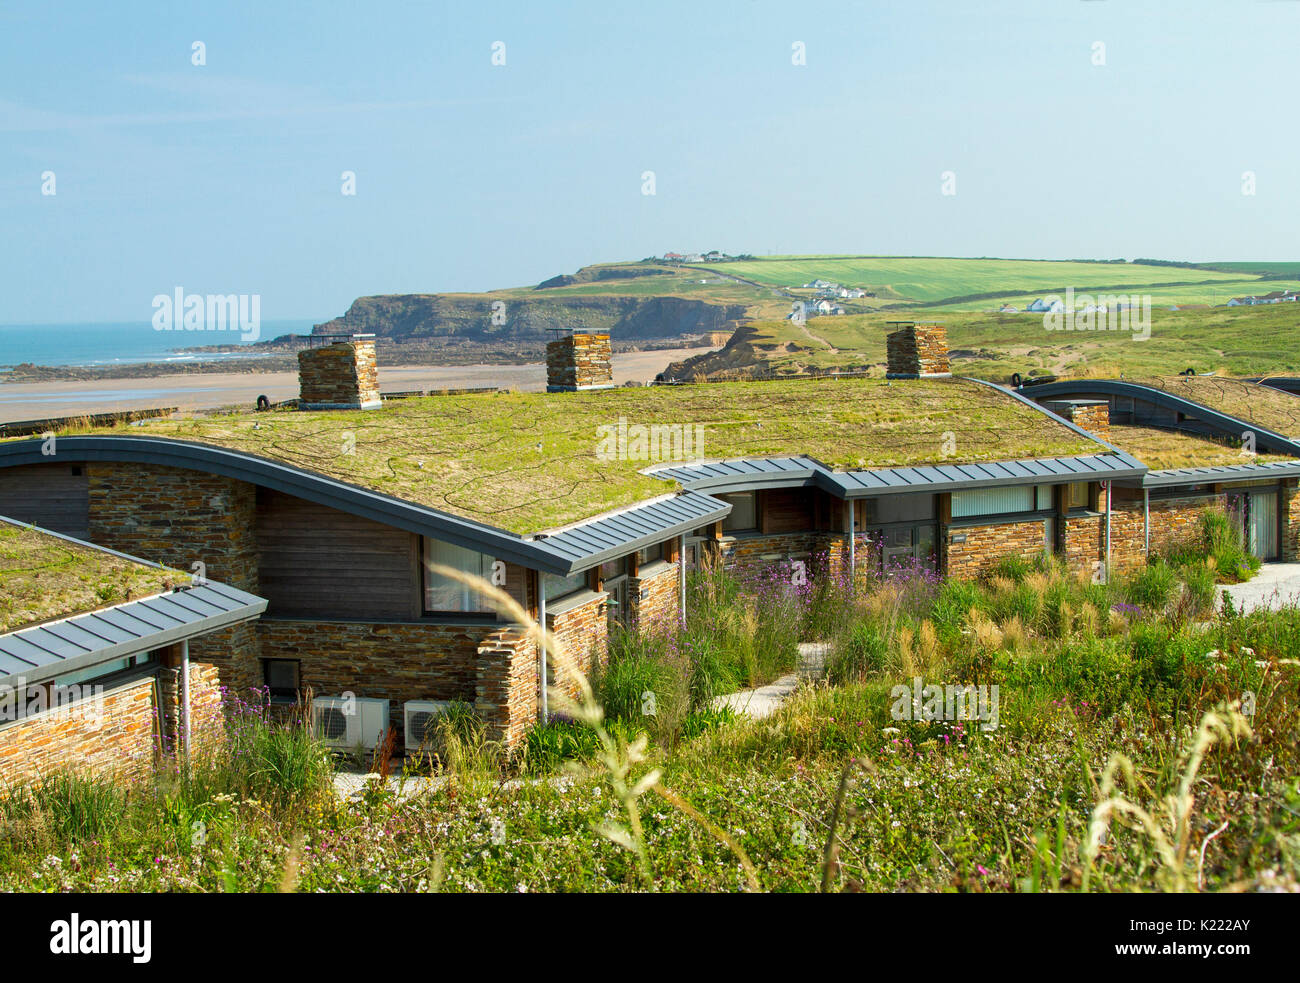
<point x="339" y="376"/>
<point x="917" y="351"/>
<point x="1092" y="415"/>
<point x="579" y="361"/>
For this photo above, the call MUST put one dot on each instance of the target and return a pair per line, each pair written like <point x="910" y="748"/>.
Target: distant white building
<point x="1041" y="306"/>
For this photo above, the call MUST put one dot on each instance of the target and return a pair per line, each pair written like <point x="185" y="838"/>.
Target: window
<point x="1080" y="493"/>
<point x="744" y="512"/>
<point x="281" y="677"/>
<point x="558" y="586"/>
<point x="650" y="554"/>
<point x="993" y="501"/>
<point x="613" y="569"/>
<point x="897" y="508"/>
<point x="445" y="595"/>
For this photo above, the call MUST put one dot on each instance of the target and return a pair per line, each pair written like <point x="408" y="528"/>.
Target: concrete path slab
<point x="1276" y="585"/>
<point x="765" y="700"/>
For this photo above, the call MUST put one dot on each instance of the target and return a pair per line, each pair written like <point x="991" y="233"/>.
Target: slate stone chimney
<point x="579" y="361"/>
<point x="339" y="376"/>
<point x="1091" y="414"/>
<point x="917" y="351"/>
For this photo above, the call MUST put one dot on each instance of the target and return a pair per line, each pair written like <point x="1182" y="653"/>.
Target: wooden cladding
<point x="318" y="562"/>
<point x="54" y="496"/>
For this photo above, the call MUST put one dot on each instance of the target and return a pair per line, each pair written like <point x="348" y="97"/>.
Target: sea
<point x="125" y="343"/>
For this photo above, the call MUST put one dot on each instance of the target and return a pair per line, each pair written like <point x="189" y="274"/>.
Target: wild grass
<point x="1135" y="751"/>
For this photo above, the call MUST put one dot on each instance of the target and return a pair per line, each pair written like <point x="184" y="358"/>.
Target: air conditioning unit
<point x="347" y="722"/>
<point x="420" y="717"/>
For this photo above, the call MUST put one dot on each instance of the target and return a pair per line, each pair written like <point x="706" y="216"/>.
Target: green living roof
<point x="528" y="462"/>
<point x="43" y="577"/>
<point x="1263" y="406"/>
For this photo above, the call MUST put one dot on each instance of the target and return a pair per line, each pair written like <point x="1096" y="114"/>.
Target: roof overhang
<point x="1271" y="470"/>
<point x="56" y="648"/>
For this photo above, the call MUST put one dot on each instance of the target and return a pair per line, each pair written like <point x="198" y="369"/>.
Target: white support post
<point x="681" y="576"/>
<point x="541" y="620"/>
<point x="185" y="699"/>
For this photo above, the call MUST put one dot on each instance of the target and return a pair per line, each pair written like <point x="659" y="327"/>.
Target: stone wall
<point x="67" y="738"/>
<point x="1175" y="520"/>
<point x="1093" y="417"/>
<point x="506" y="687"/>
<point x="207" y="713"/>
<point x="1127" y="536"/>
<point x="654" y="599"/>
<point x="579" y="361"/>
<point x="1083" y="541"/>
<point x="750" y="553"/>
<point x="1288" y="505"/>
<point x="583" y="631"/>
<point x="394" y="661"/>
<point x="340" y="376"/>
<point x="917" y="351"/>
<point x="985" y="545"/>
<point x="179" y="517"/>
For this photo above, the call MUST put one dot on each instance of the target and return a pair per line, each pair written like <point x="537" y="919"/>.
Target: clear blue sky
<point x="225" y="178"/>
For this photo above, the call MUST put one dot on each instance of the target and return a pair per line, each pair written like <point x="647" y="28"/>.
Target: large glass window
<point x="558" y="586"/>
<point x="442" y="593"/>
<point x="896" y="508"/>
<point x="1080" y="495"/>
<point x="744" y="512"/>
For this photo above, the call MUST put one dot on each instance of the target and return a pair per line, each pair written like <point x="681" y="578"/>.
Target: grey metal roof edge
<point x="292" y="480"/>
<point x="247" y="607"/>
<point x="1127" y="468"/>
<point x="1224" y="472"/>
<point x="1268" y="439"/>
<point x="701" y="510"/>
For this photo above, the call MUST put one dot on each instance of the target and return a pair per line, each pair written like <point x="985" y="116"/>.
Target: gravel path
<point x="1276" y="585"/>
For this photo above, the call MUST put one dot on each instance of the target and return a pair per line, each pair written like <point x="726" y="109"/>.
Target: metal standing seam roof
<point x="719" y="477"/>
<point x="616" y="535"/>
<point x="52" y="649"/>
<point x="1220" y="473"/>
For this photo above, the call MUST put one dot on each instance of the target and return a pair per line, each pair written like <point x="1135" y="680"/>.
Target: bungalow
<point x="1040" y="305"/>
<point x="587" y="505"/>
<point x="96" y="670"/>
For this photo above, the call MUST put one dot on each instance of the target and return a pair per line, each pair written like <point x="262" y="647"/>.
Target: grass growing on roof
<point x="1159" y="449"/>
<point x="44" y="577"/>
<point x="530" y="461"/>
<point x="1261" y="405"/>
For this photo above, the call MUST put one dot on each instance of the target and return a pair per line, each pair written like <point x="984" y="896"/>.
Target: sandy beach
<point x="43" y="400"/>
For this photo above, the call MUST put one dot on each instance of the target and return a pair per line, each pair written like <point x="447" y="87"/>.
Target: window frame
<point x="485" y="614"/>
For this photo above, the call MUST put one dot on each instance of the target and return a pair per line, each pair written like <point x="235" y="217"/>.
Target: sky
<point x="227" y="176"/>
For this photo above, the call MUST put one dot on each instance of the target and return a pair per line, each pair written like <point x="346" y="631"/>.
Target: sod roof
<point x="43" y="577"/>
<point x="1160" y="449"/>
<point x="1263" y="406"/>
<point x="528" y="462"/>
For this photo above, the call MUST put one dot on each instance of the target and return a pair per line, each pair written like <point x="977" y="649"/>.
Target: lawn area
<point x="932" y="278"/>
<point x="47" y="577"/>
<point x="1119" y="725"/>
<point x="1239" y="341"/>
<point x="527" y="462"/>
